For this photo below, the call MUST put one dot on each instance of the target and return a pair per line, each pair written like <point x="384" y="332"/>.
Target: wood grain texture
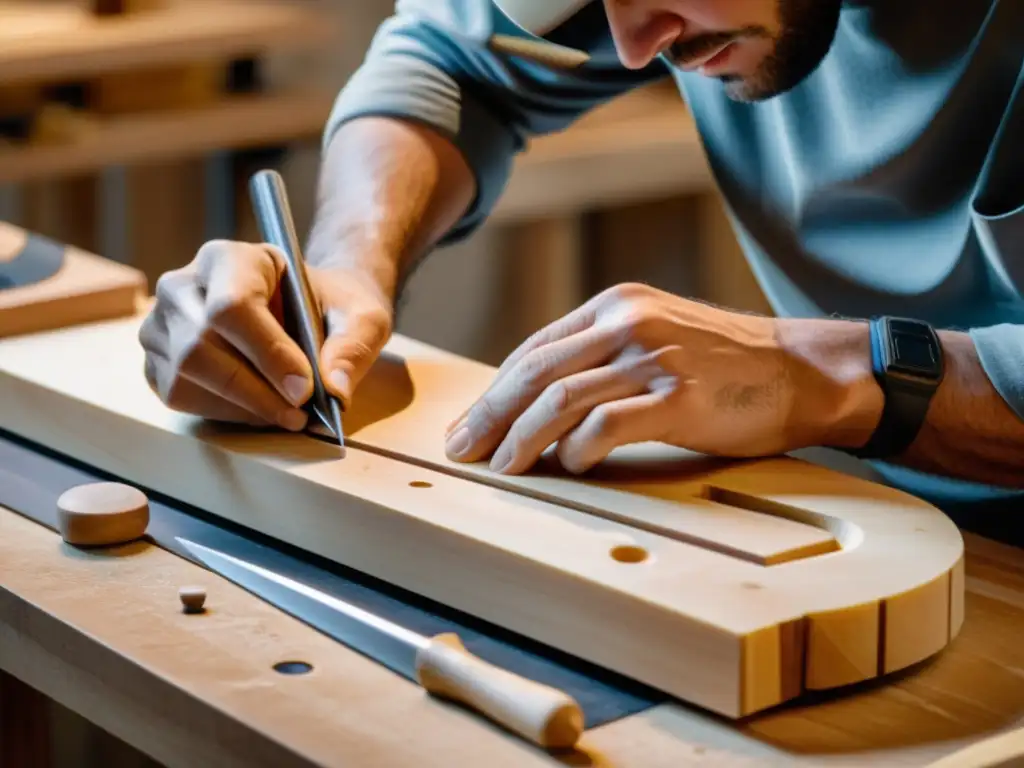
<point x="103" y="634"/>
<point x="657" y="553"/>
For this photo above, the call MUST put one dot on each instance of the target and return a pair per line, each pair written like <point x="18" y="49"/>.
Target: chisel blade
<point x="441" y="664"/>
<point x="389" y="644"/>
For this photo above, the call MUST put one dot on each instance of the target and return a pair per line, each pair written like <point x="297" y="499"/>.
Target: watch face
<point x="913" y="351"/>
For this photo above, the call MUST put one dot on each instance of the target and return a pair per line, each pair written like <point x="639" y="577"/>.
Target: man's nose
<point x="642" y="29"/>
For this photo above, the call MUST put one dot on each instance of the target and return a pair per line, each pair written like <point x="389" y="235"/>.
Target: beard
<point x="807" y="29"/>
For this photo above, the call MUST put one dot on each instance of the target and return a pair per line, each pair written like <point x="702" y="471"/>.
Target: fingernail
<point x="501" y="459"/>
<point x="340" y="381"/>
<point x="450" y="430"/>
<point x="292" y="419"/>
<point x="458" y="443"/>
<point x="295" y="388"/>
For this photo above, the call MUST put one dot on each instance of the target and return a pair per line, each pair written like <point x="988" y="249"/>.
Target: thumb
<point x="355" y="338"/>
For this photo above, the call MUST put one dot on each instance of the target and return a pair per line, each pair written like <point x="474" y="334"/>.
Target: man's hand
<point x="636" y="364"/>
<point x="215" y="345"/>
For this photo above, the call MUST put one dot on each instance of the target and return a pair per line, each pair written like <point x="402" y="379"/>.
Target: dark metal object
<point x="38" y="259"/>
<point x="380" y="640"/>
<point x="32" y="477"/>
<point x="302" y="313"/>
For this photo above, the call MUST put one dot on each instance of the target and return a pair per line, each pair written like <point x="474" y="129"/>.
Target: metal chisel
<point x="441" y="664"/>
<point x="303" y="317"/>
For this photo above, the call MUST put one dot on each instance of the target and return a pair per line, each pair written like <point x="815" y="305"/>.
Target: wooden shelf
<point x="237" y="122"/>
<point x="641" y="146"/>
<point x="55" y="40"/>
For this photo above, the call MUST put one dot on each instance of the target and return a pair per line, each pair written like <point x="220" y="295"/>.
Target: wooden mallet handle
<point x="539" y="713"/>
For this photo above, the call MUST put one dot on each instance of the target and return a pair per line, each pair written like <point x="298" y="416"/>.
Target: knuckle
<point x="639" y="324"/>
<point x="213" y="251"/>
<point x="559" y="397"/>
<point x="603" y="422"/>
<point x="147" y="333"/>
<point x="217" y="253"/>
<point x="355" y="351"/>
<point x="483" y="417"/>
<point x="623" y="292"/>
<point x="168" y="284"/>
<point x="376" y="328"/>
<point x="533" y="369"/>
<point x="224" y="310"/>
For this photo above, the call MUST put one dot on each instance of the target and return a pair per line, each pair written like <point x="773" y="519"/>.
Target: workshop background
<point x="132" y="134"/>
<point x="130" y="129"/>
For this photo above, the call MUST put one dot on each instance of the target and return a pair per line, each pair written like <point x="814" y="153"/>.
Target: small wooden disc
<point x="192" y="599"/>
<point x="102" y="514"/>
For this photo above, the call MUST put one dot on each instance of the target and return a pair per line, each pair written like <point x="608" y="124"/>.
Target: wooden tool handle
<point x="545" y="716"/>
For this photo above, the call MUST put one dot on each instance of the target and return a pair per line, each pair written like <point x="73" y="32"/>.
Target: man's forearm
<point x="388" y="191"/>
<point x="970" y="432"/>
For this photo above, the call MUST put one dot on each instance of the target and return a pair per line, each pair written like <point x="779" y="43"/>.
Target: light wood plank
<point x="102" y="633"/>
<point x="535" y="544"/>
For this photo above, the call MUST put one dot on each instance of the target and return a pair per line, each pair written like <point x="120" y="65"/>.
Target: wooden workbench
<point x="103" y="635"/>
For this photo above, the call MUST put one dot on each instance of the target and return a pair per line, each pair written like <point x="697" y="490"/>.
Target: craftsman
<point x="870" y="152"/>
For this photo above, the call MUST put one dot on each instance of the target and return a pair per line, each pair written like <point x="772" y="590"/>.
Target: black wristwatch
<point x="908" y="364"/>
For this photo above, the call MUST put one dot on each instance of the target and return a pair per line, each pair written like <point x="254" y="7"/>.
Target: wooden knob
<point x="102" y="514"/>
<point x="192" y="599"/>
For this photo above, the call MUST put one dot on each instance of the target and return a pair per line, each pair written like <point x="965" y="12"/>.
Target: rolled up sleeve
<point x="1001" y="354"/>
<point x="430" y="63"/>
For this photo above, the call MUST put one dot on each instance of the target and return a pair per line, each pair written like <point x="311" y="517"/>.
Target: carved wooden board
<point x="87" y="288"/>
<point x="734" y="586"/>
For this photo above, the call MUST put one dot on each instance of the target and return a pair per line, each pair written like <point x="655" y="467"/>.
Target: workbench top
<point x="103" y="634"/>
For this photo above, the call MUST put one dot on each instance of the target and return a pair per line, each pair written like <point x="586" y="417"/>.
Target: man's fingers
<point x="180" y="394"/>
<point x="355" y="339"/>
<point x="239" y="281"/>
<point x="485" y="424"/>
<point x="210" y="364"/>
<point x="612" y="425"/>
<point x="577" y="321"/>
<point x="187" y="396"/>
<point x="564" y="405"/>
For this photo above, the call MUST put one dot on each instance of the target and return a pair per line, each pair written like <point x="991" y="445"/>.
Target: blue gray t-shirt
<point x="889" y="181"/>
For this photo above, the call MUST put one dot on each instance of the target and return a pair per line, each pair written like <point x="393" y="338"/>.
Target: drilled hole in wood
<point x="293" y="667"/>
<point x="627" y="553"/>
<point x="420" y="484"/>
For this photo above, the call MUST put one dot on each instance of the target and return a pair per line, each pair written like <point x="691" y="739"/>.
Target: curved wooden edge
<point x="102" y="633"/>
<point x="754" y="636"/>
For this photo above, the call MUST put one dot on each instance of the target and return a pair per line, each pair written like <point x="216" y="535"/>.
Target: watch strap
<point x="908" y="364"/>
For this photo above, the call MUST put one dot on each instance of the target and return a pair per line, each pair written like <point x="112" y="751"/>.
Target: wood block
<point x="727" y="584"/>
<point x="156" y="88"/>
<point x="121" y="7"/>
<point x="102" y="514"/>
<point x="87" y="288"/>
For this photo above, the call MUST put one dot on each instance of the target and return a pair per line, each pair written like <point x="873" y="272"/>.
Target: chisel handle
<point x="539" y="713"/>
